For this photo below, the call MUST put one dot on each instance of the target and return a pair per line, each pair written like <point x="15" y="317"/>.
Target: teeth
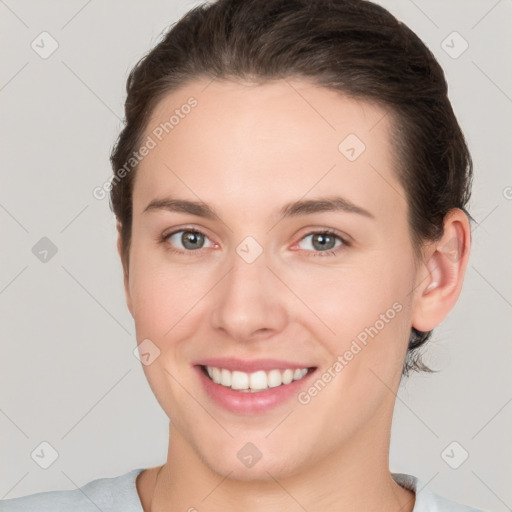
<point x="287" y="376"/>
<point x="274" y="378"/>
<point x="256" y="381"/>
<point x="225" y="378"/>
<point x="216" y="375"/>
<point x="239" y="380"/>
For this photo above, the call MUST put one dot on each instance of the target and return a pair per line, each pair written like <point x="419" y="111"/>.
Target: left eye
<point x="322" y="241"/>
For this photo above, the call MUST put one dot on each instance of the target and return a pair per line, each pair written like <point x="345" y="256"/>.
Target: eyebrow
<point x="293" y="209"/>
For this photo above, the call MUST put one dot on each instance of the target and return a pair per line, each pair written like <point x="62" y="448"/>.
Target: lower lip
<point x="259" y="402"/>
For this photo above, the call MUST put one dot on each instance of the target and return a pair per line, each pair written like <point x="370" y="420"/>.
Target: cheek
<point x="163" y="295"/>
<point x="350" y="298"/>
<point x="366" y="358"/>
<point x="365" y="320"/>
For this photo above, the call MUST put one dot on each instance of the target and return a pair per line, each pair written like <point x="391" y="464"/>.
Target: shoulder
<point x="106" y="494"/>
<point x="426" y="499"/>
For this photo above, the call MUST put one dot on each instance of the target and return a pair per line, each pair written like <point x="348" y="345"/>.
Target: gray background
<point x="68" y="373"/>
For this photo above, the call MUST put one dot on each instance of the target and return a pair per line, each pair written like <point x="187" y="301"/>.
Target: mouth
<point x="254" y="382"/>
<point x="252" y="387"/>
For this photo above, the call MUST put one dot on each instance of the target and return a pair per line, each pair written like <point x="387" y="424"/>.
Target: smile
<point x="253" y="382"/>
<point x="252" y="386"/>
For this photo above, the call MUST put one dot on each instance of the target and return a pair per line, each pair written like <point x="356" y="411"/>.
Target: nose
<point x="250" y="301"/>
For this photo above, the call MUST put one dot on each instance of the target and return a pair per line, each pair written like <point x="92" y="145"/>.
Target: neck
<point x="354" y="477"/>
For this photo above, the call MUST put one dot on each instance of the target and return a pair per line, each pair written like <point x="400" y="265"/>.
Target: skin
<point x="246" y="150"/>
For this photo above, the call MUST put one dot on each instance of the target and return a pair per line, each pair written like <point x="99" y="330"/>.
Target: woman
<point x="290" y="191"/>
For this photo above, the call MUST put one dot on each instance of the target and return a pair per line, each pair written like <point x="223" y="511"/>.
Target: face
<point x="270" y="242"/>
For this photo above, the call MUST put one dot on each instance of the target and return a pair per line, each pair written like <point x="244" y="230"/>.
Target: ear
<point x="126" y="280"/>
<point x="441" y="274"/>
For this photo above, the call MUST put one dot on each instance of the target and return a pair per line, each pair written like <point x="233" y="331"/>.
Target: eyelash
<point x="332" y="252"/>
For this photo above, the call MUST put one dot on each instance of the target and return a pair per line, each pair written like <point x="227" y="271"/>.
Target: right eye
<point x="190" y="240"/>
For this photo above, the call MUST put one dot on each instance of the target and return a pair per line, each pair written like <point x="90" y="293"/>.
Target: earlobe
<point x="440" y="279"/>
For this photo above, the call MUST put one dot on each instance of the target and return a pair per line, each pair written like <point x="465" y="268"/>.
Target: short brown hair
<point x="355" y="47"/>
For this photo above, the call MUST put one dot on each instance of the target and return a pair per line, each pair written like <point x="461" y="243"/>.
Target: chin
<point x="262" y="471"/>
<point x="251" y="461"/>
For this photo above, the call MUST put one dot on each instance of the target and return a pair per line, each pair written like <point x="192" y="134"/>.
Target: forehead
<point x="261" y="141"/>
<point x="273" y="110"/>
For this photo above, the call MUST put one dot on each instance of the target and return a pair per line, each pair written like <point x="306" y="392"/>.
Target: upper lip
<point x="251" y="365"/>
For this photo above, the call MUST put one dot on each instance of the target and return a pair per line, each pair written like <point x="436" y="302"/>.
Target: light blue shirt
<point x="119" y="494"/>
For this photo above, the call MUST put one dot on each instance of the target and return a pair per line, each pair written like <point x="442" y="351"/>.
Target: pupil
<point x="324" y="240"/>
<point x="190" y="238"/>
